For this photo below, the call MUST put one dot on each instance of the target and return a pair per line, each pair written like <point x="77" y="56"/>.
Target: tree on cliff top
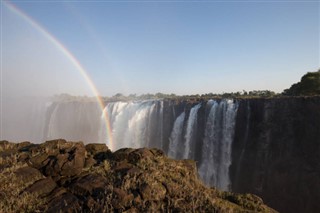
<point x="308" y="85"/>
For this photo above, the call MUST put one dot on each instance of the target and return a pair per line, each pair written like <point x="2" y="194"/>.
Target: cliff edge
<point x="72" y="177"/>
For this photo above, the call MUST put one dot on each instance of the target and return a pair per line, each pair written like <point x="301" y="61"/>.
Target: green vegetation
<point x="243" y="94"/>
<point x="308" y="85"/>
<point x="148" y="96"/>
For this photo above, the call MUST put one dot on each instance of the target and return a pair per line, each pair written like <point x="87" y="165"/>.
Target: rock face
<point x="276" y="152"/>
<point x="70" y="177"/>
<point x="265" y="146"/>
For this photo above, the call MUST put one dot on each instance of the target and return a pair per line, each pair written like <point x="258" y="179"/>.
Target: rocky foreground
<point x="72" y="177"/>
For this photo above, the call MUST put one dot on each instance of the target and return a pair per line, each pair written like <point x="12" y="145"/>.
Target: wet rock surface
<point x="72" y="177"/>
<point x="276" y="152"/>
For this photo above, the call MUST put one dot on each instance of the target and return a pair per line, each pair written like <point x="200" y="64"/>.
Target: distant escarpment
<point x="73" y="177"/>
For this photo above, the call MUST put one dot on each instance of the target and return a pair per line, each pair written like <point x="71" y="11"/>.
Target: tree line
<point x="309" y="85"/>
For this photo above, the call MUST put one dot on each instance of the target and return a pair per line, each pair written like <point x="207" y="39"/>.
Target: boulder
<point x="42" y="187"/>
<point x="70" y="177"/>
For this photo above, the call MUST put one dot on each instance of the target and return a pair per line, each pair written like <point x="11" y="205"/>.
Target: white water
<point x="216" y="151"/>
<point x="140" y="124"/>
<point x="176" y="136"/>
<point x="23" y="119"/>
<point x="132" y="123"/>
<point x="74" y="121"/>
<point x="191" y="125"/>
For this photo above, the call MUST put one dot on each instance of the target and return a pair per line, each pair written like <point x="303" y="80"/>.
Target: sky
<point x="138" y="47"/>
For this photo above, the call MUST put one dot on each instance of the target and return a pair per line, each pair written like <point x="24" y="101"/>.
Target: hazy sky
<point x="180" y="47"/>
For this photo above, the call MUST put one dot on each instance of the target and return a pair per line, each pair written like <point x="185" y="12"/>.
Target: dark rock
<point x="276" y="147"/>
<point x="122" y="167"/>
<point x="129" y="180"/>
<point x="96" y="148"/>
<point x="29" y="148"/>
<point x="154" y="191"/>
<point x="121" y="199"/>
<point x="21" y="145"/>
<point x="157" y="152"/>
<point x="101" y="156"/>
<point x="122" y="154"/>
<point x="93" y="185"/>
<point x="66" y="202"/>
<point x="42" y="187"/>
<point x="139" y="154"/>
<point x="38" y="160"/>
<point x="75" y="162"/>
<point x="57" y="192"/>
<point x="28" y="174"/>
<point x="68" y="161"/>
<point x="89" y="162"/>
<point x="24" y="157"/>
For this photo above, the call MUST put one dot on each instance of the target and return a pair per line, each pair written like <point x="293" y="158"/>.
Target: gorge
<point x="265" y="146"/>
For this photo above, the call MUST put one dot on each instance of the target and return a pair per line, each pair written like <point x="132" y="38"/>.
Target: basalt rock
<point x="70" y="177"/>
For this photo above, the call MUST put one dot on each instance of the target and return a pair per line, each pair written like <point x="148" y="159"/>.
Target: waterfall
<point x="191" y="125"/>
<point x="161" y="125"/>
<point x="150" y="123"/>
<point x="23" y="118"/>
<point x="176" y="136"/>
<point x="74" y="121"/>
<point x="133" y="123"/>
<point x="216" y="151"/>
<point x="207" y="168"/>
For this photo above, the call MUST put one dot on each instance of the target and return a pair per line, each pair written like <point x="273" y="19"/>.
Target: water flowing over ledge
<point x="257" y="145"/>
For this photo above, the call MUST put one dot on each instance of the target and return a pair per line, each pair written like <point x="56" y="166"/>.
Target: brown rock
<point x="157" y="152"/>
<point x="138" y="154"/>
<point x="51" y="167"/>
<point x="56" y="144"/>
<point x="56" y="193"/>
<point x="38" y="160"/>
<point x="67" y="161"/>
<point x="92" y="184"/>
<point x="154" y="191"/>
<point x="66" y="202"/>
<point x="95" y="148"/>
<point x="23" y="157"/>
<point x="42" y="187"/>
<point x="89" y="162"/>
<point x="121" y="198"/>
<point x="122" y="167"/>
<point x="130" y="180"/>
<point x="122" y="154"/>
<point x="75" y="162"/>
<point x="28" y="174"/>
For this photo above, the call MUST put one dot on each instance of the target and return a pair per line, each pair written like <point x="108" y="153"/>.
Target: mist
<point x="33" y="71"/>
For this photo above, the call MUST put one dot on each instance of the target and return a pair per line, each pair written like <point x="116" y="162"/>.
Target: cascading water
<point x="141" y="124"/>
<point x="191" y="126"/>
<point x="216" y="151"/>
<point x="74" y="121"/>
<point x="23" y="118"/>
<point x="263" y="136"/>
<point x="135" y="124"/>
<point x="176" y="136"/>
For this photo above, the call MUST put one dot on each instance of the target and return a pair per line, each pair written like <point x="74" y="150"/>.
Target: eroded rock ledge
<point x="72" y="177"/>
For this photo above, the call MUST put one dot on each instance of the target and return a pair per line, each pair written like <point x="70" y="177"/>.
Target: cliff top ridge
<point x="72" y="177"/>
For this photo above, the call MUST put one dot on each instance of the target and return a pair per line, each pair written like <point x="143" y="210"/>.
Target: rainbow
<point x="72" y="59"/>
